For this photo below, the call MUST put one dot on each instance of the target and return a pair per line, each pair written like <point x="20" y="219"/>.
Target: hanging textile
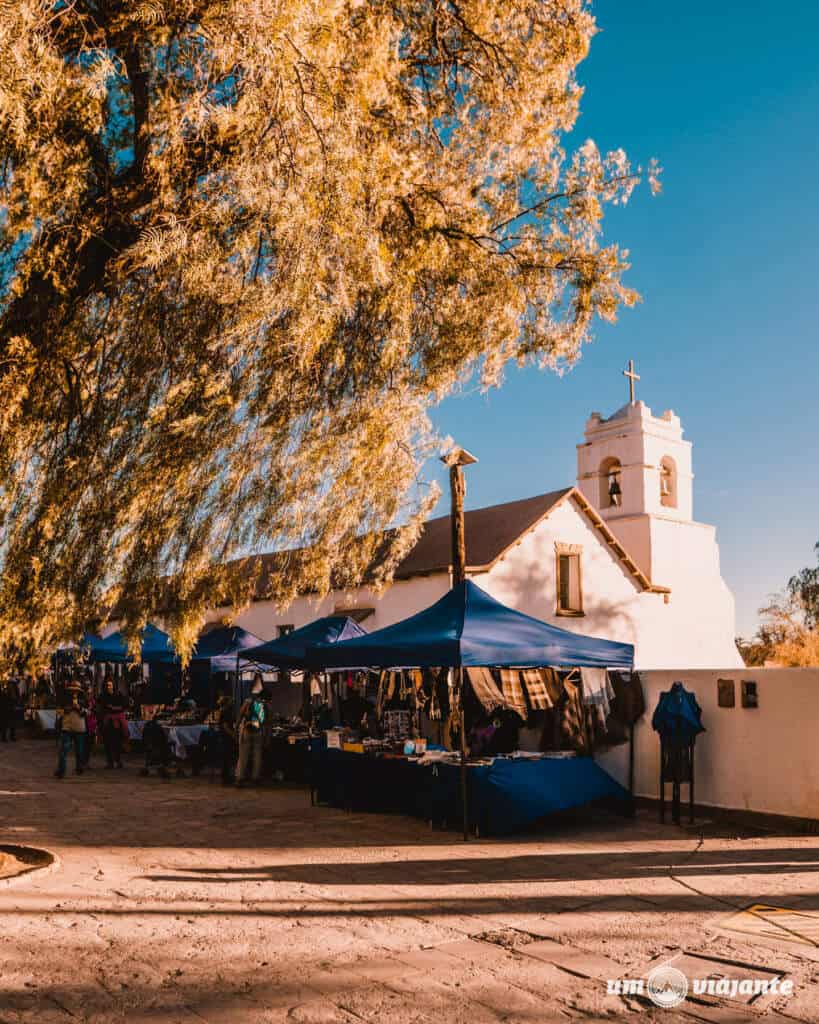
<point x="553" y="683"/>
<point x="573" y="721"/>
<point x="513" y="691"/>
<point x="442" y="691"/>
<point x="539" y="699"/>
<point x="629" y="702"/>
<point x="485" y="688"/>
<point x="381" y="696"/>
<point x="597" y="690"/>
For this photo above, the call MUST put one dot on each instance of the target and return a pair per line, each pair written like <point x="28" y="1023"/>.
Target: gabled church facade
<point x="618" y="555"/>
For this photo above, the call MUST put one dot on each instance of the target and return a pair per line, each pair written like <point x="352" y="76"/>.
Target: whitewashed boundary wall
<point x="763" y="759"/>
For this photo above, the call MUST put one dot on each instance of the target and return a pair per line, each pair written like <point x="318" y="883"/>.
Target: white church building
<point x="619" y="555"/>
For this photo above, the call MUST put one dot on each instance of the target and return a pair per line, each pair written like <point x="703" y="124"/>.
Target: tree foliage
<point x="244" y="245"/>
<point x="788" y="633"/>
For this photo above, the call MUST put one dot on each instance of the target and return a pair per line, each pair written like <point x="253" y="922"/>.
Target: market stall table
<point x="505" y="795"/>
<point x="43" y="718"/>
<point x="180" y="737"/>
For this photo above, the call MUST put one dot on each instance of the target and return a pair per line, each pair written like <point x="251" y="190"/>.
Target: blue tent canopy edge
<point x="294" y="650"/>
<point x="469" y="628"/>
<point x="155" y="646"/>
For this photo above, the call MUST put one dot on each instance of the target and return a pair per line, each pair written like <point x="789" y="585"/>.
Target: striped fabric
<point x="533" y="683"/>
<point x="485" y="688"/>
<point x="513" y="690"/>
<point x="553" y="684"/>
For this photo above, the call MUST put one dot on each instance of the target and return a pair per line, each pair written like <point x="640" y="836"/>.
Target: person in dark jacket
<point x="8" y="711"/>
<point x="111" y="706"/>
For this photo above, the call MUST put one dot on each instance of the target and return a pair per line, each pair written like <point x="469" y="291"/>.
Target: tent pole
<point x="236" y="691"/>
<point x="464" y="788"/>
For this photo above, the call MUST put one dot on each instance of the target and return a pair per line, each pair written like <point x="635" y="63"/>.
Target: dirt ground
<point x="187" y="901"/>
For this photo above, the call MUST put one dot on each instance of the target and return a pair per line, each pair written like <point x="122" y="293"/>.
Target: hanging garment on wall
<point x="597" y="690"/>
<point x="629" y="702"/>
<point x="315" y="687"/>
<point x="485" y="688"/>
<point x="513" y="691"/>
<point x="574" y="733"/>
<point x="536" y="691"/>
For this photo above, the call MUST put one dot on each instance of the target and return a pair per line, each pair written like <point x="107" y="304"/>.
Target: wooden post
<point x="456" y="460"/>
<point x="457" y="487"/>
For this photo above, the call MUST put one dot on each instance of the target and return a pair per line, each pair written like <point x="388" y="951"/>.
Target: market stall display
<point x="506" y="794"/>
<point x="469" y="629"/>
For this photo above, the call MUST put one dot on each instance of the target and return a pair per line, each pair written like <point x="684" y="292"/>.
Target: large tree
<point x="244" y="246"/>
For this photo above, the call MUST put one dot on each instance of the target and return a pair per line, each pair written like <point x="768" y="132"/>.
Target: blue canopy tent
<point x="220" y="646"/>
<point x="155" y="648"/>
<point x="215" y="651"/>
<point x="468" y="628"/>
<point x="295" y="650"/>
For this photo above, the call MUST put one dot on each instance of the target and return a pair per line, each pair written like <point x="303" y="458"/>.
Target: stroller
<point x="158" y="751"/>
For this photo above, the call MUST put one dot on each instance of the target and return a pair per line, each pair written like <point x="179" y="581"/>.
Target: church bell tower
<point x="635" y="469"/>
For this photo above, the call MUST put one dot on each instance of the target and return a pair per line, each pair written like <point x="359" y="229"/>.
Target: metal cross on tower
<point x="632" y="377"/>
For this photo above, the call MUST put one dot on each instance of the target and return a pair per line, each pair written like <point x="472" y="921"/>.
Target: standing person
<point x="90" y="706"/>
<point x="71" y="732"/>
<point x="250" y="729"/>
<point x="225" y="716"/>
<point x="8" y="712"/>
<point x="114" y="725"/>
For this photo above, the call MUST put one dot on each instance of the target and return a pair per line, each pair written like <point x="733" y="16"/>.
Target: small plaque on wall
<point x="726" y="693"/>
<point x="750" y="696"/>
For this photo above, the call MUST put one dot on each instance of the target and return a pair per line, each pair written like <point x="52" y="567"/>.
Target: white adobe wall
<point x="763" y="759"/>
<point x="403" y="598"/>
<point x="694" y="628"/>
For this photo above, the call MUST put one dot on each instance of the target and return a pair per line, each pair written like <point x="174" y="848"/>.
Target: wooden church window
<point x="569" y="580"/>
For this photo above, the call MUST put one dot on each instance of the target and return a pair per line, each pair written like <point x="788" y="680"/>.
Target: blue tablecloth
<point x="504" y="797"/>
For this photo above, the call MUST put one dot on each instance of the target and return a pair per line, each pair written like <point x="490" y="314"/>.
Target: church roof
<point x="490" y="532"/>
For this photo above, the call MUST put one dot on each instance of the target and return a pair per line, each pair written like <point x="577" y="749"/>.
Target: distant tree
<point x="244" y="246"/>
<point x="757" y="650"/>
<point x="789" y="629"/>
<point x="804" y="588"/>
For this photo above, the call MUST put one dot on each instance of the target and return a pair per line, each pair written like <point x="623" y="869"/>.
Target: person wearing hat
<point x="71" y="731"/>
<point x="251" y="736"/>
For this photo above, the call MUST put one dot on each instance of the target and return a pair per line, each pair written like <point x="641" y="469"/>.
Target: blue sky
<point x="726" y="96"/>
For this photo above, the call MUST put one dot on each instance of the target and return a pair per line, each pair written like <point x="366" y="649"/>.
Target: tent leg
<point x="236" y="692"/>
<point x="464" y="787"/>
